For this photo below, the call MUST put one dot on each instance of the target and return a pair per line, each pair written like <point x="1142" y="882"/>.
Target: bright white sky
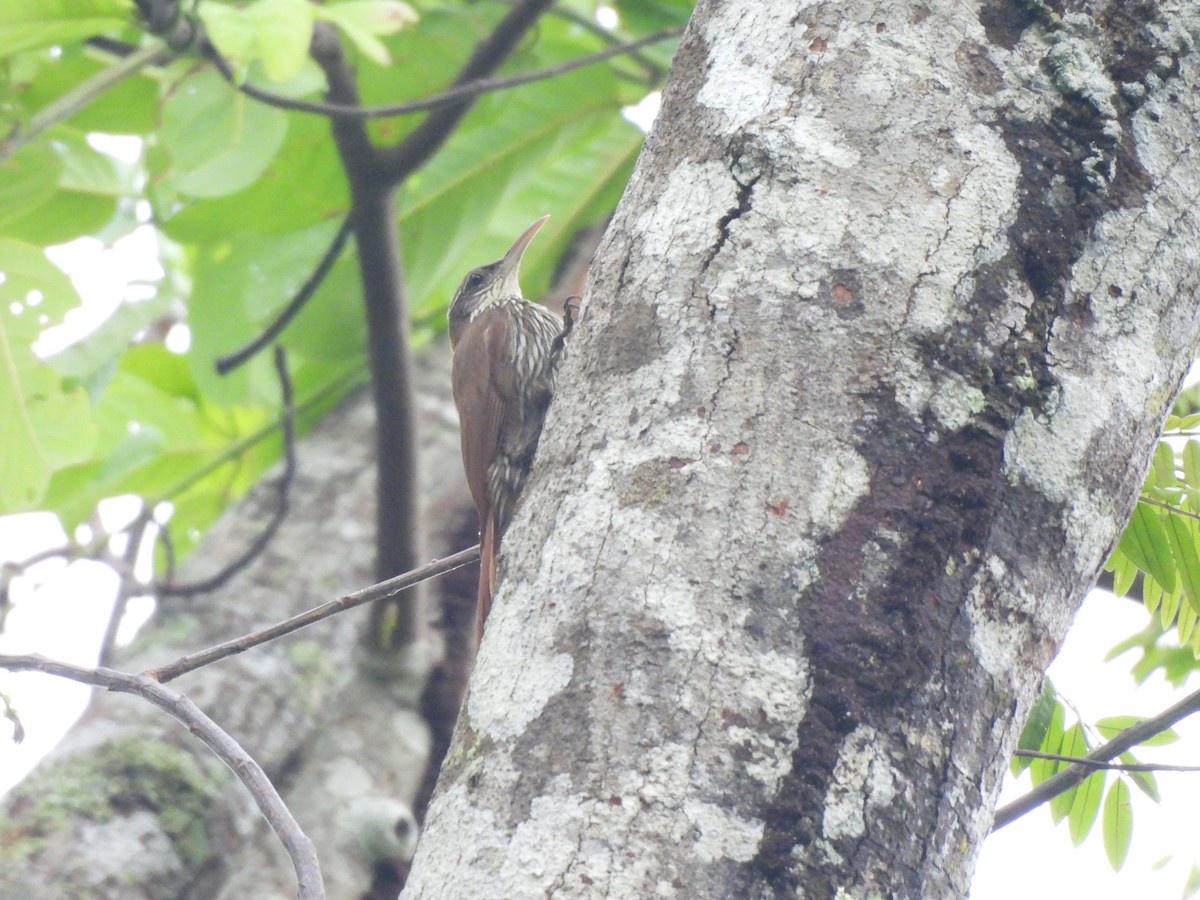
<point x="64" y="617"/>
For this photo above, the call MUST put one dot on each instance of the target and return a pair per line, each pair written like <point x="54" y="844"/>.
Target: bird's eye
<point x="475" y="279"/>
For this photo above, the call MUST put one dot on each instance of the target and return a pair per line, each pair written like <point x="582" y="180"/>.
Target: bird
<point x="505" y="349"/>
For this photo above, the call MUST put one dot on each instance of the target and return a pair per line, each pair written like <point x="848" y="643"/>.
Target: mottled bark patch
<point x="1080" y="162"/>
<point x="893" y="577"/>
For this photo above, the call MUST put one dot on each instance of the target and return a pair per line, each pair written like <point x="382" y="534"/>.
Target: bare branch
<point x="127" y="584"/>
<point x="179" y="706"/>
<point x="401" y="160"/>
<point x="227" y="364"/>
<point x="1097" y="764"/>
<point x="385" y="590"/>
<point x="1068" y="778"/>
<point x="81" y="95"/>
<point x="451" y="95"/>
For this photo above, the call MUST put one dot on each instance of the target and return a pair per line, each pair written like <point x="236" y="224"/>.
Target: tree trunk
<point x="871" y="364"/>
<point x="131" y="805"/>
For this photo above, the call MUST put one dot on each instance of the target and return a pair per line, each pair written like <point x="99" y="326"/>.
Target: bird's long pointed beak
<point x="510" y="265"/>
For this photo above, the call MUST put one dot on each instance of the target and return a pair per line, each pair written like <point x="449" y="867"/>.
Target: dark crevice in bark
<point x="1004" y="21"/>
<point x="447" y="682"/>
<point x="735" y="212"/>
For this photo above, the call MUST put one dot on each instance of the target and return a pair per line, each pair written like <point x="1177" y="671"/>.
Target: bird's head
<point x="492" y="283"/>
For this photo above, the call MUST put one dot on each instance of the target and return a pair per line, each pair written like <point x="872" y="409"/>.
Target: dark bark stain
<point x="876" y="638"/>
<point x="873" y="645"/>
<point x="1004" y="21"/>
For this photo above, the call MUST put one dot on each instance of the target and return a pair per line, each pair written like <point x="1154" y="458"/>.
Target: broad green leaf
<point x="129" y="107"/>
<point x="363" y="20"/>
<point x="1124" y="571"/>
<point x="1034" y="732"/>
<point x="1085" y="807"/>
<point x="1144" y="781"/>
<point x="1152" y="593"/>
<point x="1163" y="466"/>
<point x="45" y="423"/>
<point x="1118" y="824"/>
<point x="1074" y="743"/>
<point x="30" y="178"/>
<point x="1191" y="463"/>
<point x="1185" y="624"/>
<point x="1145" y="543"/>
<point x="1184" y="423"/>
<point x="1170" y="606"/>
<point x="26" y="25"/>
<point x="273" y="204"/>
<point x="1111" y="726"/>
<point x="241" y="285"/>
<point x="220" y="141"/>
<point x="1183" y="534"/>
<point x="1041" y="769"/>
<point x="276" y="33"/>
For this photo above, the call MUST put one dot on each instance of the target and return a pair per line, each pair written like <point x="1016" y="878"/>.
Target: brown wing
<point x="482" y="383"/>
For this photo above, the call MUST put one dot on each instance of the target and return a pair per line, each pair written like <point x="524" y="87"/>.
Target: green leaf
<point x="220" y="141"/>
<point x="1124" y="572"/>
<point x="1143" y="780"/>
<point x="1146" y="545"/>
<point x="272" y="204"/>
<point x="1111" y="726"/>
<point x="362" y="20"/>
<point x="1118" y="824"/>
<point x="1163" y="466"/>
<point x="276" y="33"/>
<point x="1152" y="593"/>
<point x="45" y="423"/>
<point x="1041" y="769"/>
<point x="30" y="179"/>
<point x="1191" y="463"/>
<point x="1185" y="625"/>
<point x="1170" y="606"/>
<point x="26" y="25"/>
<point x="1074" y="743"/>
<point x="1086" y="805"/>
<point x="1036" y="726"/>
<point x="1185" y="423"/>
<point x="1183" y="533"/>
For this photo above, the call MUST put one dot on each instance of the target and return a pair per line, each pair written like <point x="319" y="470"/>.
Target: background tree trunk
<point x="871" y="363"/>
<point x="131" y="805"/>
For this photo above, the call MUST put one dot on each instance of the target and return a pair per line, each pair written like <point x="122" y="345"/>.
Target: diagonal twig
<point x="228" y="363"/>
<point x="1097" y="764"/>
<point x="1071" y="776"/>
<point x="263" y="538"/>
<point x="224" y="747"/>
<point x="455" y="94"/>
<point x="81" y="95"/>
<point x="385" y="590"/>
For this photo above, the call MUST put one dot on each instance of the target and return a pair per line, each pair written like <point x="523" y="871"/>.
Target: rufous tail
<point x="489" y="546"/>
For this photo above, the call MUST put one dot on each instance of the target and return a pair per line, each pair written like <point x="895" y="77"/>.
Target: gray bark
<point x="131" y="805"/>
<point x="870" y="366"/>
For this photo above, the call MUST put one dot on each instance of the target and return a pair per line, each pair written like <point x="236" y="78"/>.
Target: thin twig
<point x="1174" y="510"/>
<point x="1097" y="764"/>
<point x="80" y="96"/>
<point x="227" y="364"/>
<point x="263" y="538"/>
<point x="444" y="98"/>
<point x="127" y="584"/>
<point x="1071" y="776"/>
<point x="224" y="747"/>
<point x="385" y="590"/>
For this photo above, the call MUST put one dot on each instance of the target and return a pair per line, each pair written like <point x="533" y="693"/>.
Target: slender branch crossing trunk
<point x="869" y="370"/>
